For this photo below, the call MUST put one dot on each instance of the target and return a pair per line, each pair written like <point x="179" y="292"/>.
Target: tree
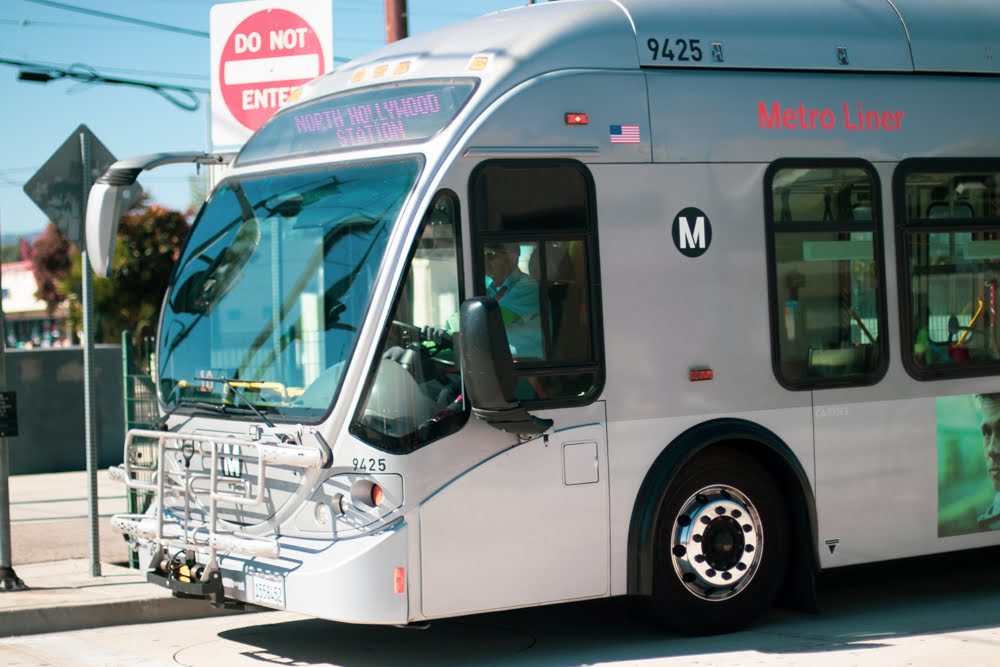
<point x="146" y="248"/>
<point x="51" y="260"/>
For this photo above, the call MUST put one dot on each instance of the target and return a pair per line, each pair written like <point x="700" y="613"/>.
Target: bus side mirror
<point x="488" y="370"/>
<point x="105" y="207"/>
<point x="115" y="191"/>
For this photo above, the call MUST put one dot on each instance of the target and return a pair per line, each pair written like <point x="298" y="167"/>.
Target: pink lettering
<point x="772" y="120"/>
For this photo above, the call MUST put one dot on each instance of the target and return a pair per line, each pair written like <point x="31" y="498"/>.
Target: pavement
<point x="50" y="549"/>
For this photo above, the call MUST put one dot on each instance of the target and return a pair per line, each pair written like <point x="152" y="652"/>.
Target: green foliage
<point x="146" y="248"/>
<point x="10" y="252"/>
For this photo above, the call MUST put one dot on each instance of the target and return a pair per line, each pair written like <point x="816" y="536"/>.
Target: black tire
<point x="724" y="517"/>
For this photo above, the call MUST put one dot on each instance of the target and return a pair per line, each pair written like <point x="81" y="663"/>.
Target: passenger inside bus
<point x="926" y="350"/>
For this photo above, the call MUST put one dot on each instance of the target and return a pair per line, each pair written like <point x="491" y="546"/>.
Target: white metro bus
<point x="678" y="300"/>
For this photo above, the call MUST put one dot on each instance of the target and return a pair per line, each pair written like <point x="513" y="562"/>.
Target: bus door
<point x="530" y="524"/>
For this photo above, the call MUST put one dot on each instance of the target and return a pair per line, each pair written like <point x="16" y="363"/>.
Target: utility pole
<point x="395" y="21"/>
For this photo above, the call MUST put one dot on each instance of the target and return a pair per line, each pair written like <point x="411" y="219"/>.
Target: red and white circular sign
<point x="266" y="56"/>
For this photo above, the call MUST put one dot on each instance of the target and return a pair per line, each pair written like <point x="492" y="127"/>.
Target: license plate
<point x="269" y="590"/>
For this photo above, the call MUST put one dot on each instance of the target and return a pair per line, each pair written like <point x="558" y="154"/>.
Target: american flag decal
<point x="625" y="134"/>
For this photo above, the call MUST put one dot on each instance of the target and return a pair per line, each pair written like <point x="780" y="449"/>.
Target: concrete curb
<point x="62" y="595"/>
<point x="62" y="618"/>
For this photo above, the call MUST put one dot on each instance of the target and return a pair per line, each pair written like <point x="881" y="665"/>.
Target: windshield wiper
<point x="222" y="408"/>
<point x="230" y="382"/>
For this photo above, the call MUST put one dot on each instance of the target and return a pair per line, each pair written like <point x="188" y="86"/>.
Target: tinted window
<point x="274" y="283"/>
<point x="825" y="273"/>
<point x="536" y="253"/>
<point x="415" y="395"/>
<point x="949" y="231"/>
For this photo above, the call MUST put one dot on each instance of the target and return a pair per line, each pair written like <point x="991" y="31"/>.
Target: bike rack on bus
<point x="184" y="533"/>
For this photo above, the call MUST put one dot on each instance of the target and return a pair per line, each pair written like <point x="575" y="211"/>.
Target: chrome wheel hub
<point x="716" y="542"/>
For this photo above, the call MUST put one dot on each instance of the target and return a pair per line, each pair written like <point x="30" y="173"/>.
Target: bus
<point x="681" y="301"/>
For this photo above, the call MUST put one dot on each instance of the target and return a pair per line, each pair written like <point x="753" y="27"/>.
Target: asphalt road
<point x="929" y="611"/>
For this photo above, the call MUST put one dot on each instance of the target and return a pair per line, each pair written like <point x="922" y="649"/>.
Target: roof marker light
<point x="402" y="67"/>
<point x="379" y="71"/>
<point x="358" y="75"/>
<point x="577" y="119"/>
<point x="478" y="63"/>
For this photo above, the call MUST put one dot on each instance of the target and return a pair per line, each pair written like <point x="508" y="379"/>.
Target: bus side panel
<point x="666" y="313"/>
<point x="875" y="457"/>
<point x="522" y="528"/>
<point x="763" y="116"/>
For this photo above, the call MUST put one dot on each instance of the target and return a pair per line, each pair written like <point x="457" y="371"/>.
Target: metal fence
<point x="141" y="411"/>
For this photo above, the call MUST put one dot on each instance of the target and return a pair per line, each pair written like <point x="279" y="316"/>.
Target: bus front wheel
<point x="721" y="549"/>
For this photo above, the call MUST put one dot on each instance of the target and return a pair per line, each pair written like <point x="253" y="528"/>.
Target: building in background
<point x="28" y="323"/>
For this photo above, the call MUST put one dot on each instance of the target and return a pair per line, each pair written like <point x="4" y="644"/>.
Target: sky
<point x="37" y="118"/>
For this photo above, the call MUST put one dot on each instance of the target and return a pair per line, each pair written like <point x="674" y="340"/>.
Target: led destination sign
<point x="380" y="122"/>
<point x="375" y="117"/>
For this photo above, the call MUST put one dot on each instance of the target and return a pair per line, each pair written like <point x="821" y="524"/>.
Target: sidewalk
<point x="50" y="546"/>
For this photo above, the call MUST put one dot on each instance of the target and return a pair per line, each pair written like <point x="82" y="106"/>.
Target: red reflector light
<point x="399" y="577"/>
<point x="377" y="495"/>
<point x="699" y="374"/>
<point x="577" y="119"/>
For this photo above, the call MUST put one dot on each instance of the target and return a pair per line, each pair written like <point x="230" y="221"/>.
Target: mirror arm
<point x="125" y="172"/>
<point x="107" y="199"/>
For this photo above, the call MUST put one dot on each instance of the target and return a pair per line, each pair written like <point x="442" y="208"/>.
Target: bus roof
<point x="839" y="35"/>
<point x="959" y="36"/>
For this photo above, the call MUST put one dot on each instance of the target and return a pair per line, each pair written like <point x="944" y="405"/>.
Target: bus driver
<point x="517" y="294"/>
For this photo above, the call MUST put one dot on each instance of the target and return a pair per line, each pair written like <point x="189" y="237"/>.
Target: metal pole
<point x="395" y="21"/>
<point x="88" y="369"/>
<point x="8" y="579"/>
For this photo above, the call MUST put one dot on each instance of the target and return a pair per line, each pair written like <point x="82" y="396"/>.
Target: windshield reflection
<point x="274" y="284"/>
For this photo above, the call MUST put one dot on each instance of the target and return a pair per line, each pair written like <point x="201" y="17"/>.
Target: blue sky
<point x="37" y="118"/>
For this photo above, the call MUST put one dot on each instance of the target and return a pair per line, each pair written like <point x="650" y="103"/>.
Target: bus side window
<point x="824" y="247"/>
<point x="536" y="254"/>
<point x="948" y="224"/>
<point x="415" y="393"/>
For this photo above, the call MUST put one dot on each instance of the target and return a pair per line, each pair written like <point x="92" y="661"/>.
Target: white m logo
<point x="231" y="466"/>
<point x="689" y="239"/>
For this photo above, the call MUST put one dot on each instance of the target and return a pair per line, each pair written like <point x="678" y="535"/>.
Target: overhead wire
<point x="180" y="96"/>
<point x="119" y="17"/>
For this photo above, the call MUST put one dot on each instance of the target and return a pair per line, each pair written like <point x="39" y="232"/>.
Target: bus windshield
<point x="273" y="286"/>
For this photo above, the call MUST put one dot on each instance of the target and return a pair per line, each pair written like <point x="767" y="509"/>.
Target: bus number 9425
<point x="688" y="50"/>
<point x="369" y="465"/>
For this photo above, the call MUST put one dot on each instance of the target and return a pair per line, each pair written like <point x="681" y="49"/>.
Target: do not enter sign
<point x="263" y="53"/>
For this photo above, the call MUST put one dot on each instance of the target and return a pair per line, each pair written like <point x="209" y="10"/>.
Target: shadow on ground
<point x="862" y="608"/>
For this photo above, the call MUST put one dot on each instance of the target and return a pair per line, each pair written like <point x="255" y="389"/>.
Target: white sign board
<point x="261" y="51"/>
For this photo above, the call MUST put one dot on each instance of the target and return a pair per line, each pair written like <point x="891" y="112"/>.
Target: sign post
<point x="88" y="370"/>
<point x="261" y="51"/>
<point x="9" y="580"/>
<point x="60" y="188"/>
